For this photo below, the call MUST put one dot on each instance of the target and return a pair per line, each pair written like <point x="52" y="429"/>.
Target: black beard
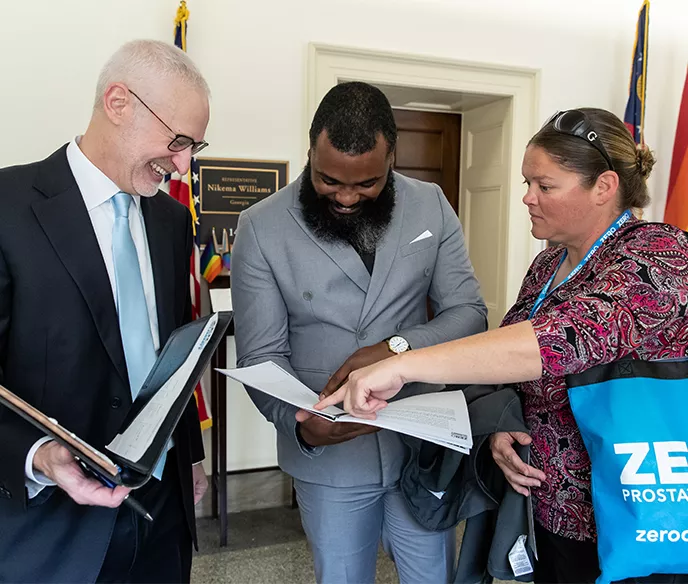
<point x="363" y="231"/>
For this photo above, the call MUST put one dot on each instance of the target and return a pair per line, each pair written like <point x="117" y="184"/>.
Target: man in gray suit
<point x="333" y="273"/>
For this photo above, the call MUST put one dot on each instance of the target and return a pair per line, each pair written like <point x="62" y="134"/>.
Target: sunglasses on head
<point x="576" y="123"/>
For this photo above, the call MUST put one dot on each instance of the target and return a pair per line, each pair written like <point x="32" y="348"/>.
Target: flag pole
<point x="180" y="28"/>
<point x="646" y="4"/>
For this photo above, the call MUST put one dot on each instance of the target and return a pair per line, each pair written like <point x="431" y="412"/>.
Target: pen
<point x="128" y="501"/>
<point x="136" y="506"/>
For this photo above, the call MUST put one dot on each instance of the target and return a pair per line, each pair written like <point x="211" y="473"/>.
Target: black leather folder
<point x="131" y="471"/>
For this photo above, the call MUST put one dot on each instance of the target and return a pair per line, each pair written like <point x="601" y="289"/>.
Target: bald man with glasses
<point x="94" y="276"/>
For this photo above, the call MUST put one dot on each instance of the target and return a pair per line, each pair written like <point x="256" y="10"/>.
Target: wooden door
<point x="428" y="148"/>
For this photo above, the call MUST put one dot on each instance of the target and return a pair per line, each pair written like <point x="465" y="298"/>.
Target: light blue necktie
<point x="134" y="323"/>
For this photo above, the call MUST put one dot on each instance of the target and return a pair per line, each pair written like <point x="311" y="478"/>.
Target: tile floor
<point x="266" y="543"/>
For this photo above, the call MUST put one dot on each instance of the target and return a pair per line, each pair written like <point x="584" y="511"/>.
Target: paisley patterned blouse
<point x="630" y="299"/>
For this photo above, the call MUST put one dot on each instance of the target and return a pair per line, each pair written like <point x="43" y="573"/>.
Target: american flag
<point x="185" y="189"/>
<point x="634" y="118"/>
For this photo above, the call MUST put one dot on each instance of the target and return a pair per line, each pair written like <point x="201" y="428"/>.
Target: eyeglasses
<point x="575" y="123"/>
<point x="180" y="141"/>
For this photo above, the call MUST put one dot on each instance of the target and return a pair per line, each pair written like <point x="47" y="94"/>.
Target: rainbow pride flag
<point x="211" y="262"/>
<point x="676" y="211"/>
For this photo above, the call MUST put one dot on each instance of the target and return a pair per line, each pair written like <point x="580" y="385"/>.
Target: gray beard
<point x="365" y="239"/>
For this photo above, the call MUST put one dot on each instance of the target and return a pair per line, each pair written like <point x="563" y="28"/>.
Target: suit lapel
<point x="66" y="223"/>
<point x="343" y="255"/>
<point x="385" y="254"/>
<point x="160" y="235"/>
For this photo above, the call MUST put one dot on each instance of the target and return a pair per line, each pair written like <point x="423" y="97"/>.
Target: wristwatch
<point x="398" y="345"/>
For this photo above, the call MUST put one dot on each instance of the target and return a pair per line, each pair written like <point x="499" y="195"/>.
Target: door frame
<point x="329" y="65"/>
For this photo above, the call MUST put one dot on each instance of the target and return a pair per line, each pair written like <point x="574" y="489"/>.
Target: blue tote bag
<point x="633" y="416"/>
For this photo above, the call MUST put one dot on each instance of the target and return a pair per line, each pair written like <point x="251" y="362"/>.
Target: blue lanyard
<point x="613" y="228"/>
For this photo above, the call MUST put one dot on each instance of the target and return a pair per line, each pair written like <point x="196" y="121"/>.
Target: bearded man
<point x="333" y="273"/>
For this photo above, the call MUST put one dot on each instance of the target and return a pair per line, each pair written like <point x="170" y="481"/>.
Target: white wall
<point x="254" y="56"/>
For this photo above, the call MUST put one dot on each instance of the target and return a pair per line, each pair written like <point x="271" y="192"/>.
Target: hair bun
<point x="644" y="160"/>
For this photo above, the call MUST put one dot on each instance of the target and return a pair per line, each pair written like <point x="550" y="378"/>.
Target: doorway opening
<point x="457" y="140"/>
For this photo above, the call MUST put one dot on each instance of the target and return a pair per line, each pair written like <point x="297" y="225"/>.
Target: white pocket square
<point x="422" y="236"/>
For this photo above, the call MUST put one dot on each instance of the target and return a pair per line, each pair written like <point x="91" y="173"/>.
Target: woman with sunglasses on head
<point x="611" y="286"/>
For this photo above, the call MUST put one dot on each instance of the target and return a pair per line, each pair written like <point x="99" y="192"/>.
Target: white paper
<point x="270" y="378"/>
<point x="408" y="430"/>
<point x="518" y="558"/>
<point x="220" y="299"/>
<point x="443" y="415"/>
<point x="133" y="443"/>
<point x="440" y="417"/>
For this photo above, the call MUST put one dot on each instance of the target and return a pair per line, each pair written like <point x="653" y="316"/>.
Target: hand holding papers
<point x="135" y="450"/>
<point x="440" y="417"/>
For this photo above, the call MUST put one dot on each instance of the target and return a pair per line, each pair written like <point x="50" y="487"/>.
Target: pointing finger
<point x="332" y="400"/>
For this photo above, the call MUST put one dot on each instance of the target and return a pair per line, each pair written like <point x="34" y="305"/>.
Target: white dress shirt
<point x="97" y="191"/>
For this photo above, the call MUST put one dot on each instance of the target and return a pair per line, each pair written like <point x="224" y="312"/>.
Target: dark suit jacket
<point x="61" y="351"/>
<point x="474" y="488"/>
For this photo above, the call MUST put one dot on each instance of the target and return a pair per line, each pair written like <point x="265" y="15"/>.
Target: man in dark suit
<point x="94" y="276"/>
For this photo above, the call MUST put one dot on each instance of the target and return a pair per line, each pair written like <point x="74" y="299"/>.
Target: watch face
<point x="398" y="344"/>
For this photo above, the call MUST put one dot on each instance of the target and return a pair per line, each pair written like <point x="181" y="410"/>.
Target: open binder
<point x="134" y="452"/>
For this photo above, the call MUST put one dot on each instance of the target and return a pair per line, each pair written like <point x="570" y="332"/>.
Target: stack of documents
<point x="440" y="417"/>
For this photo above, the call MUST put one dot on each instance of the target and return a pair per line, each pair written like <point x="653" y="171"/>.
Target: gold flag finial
<point x="182" y="13"/>
<point x="180" y="21"/>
